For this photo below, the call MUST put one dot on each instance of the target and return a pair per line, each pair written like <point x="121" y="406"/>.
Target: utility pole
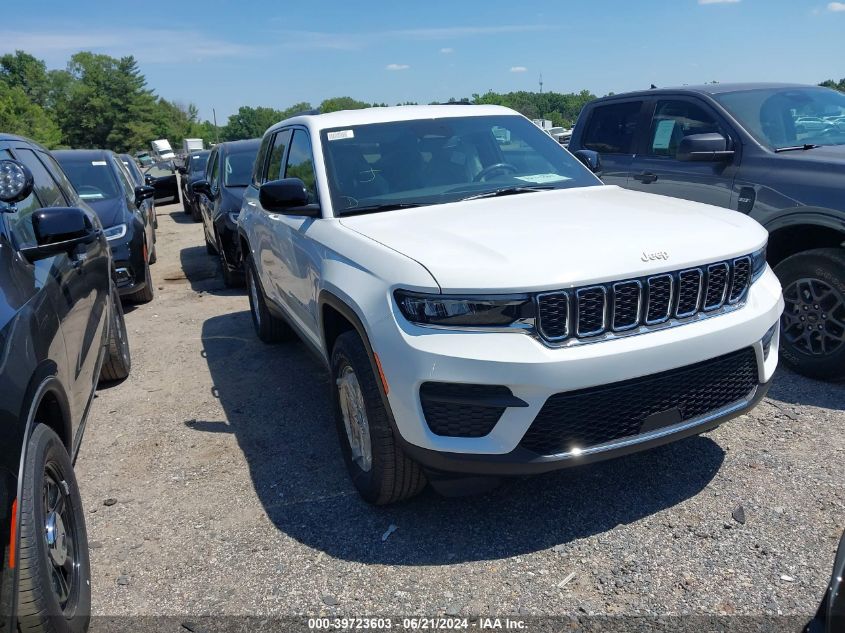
<point x="541" y="83"/>
<point x="216" y="129"/>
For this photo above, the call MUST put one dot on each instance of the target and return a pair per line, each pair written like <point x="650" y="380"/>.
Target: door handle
<point x="646" y="177"/>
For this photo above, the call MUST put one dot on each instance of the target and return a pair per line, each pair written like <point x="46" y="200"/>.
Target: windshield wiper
<point x="507" y="191"/>
<point x="794" y="148"/>
<point x="376" y="208"/>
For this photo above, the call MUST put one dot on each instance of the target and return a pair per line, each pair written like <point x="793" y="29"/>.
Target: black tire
<point x="118" y="360"/>
<point x="269" y="328"/>
<point x="186" y="206"/>
<point x="153" y="253"/>
<point x="48" y="472"/>
<point x="812" y="340"/>
<point x="145" y="294"/>
<point x="392" y="476"/>
<point x="231" y="278"/>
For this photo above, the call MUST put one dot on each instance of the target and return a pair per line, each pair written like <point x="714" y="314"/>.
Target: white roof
<point x="365" y="116"/>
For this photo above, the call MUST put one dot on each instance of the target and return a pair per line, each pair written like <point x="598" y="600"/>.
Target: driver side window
<point x="674" y="120"/>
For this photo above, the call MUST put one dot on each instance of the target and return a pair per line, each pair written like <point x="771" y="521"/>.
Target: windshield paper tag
<point x="98" y="162"/>
<point x="542" y="178"/>
<point x="337" y="136"/>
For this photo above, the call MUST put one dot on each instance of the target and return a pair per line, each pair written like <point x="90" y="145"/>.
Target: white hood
<point x="559" y="239"/>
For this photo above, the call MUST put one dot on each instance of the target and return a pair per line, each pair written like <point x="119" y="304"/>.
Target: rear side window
<point x="45" y="187"/>
<point x="675" y="119"/>
<point x="277" y="155"/>
<point x="612" y="128"/>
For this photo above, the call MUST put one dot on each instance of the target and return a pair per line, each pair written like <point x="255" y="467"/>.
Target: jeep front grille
<point x="606" y="309"/>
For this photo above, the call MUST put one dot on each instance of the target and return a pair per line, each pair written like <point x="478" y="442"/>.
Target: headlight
<point x="115" y="232"/>
<point x="233" y="216"/>
<point x="494" y="311"/>
<point x="758" y="264"/>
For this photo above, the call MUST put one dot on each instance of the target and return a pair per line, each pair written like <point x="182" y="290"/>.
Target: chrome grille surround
<point x="664" y="300"/>
<point x="591" y="310"/>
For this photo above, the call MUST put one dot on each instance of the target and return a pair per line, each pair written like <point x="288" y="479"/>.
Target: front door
<point x="656" y="169"/>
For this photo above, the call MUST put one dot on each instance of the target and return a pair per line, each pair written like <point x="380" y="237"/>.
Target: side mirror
<point x="16" y="181"/>
<point x="591" y="159"/>
<point x="704" y="147"/>
<point x="148" y="179"/>
<point x="201" y="186"/>
<point x="142" y="192"/>
<point x="59" y="230"/>
<point x="288" y="196"/>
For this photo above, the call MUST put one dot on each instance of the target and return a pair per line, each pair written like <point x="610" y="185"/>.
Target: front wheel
<point x="145" y="294"/>
<point x="54" y="594"/>
<point x="812" y="338"/>
<point x="380" y="469"/>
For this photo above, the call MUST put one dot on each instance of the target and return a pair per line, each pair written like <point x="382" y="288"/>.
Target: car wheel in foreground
<point x="813" y="321"/>
<point x="269" y="328"/>
<point x="118" y="360"/>
<point x="55" y="577"/>
<point x="145" y="294"/>
<point x="379" y="468"/>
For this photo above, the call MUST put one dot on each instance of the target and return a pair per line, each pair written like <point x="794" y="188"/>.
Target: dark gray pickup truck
<point x="773" y="151"/>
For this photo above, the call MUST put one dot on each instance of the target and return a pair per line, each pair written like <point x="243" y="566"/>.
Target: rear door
<point x="656" y="168"/>
<point x="611" y="130"/>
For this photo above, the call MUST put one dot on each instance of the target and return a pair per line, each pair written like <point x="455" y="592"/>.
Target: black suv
<point x="218" y="196"/>
<point x="61" y="331"/>
<point x="103" y="183"/>
<point x="191" y="171"/>
<point x="773" y="151"/>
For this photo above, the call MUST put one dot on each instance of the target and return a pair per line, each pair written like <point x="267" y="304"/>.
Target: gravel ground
<point x="213" y="485"/>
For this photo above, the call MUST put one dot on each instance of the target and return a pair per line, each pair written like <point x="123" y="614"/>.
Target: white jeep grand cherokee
<point x="486" y="307"/>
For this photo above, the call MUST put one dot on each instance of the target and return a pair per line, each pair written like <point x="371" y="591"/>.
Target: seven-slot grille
<point x="626" y="305"/>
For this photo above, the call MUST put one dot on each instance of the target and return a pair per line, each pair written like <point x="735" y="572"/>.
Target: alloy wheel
<point x="355" y="421"/>
<point x="62" y="546"/>
<point x="814" y="317"/>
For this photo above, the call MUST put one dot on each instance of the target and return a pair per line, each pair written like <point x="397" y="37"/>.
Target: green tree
<point x="22" y="70"/>
<point x="249" y="122"/>
<point x="342" y="103"/>
<point x="836" y="85"/>
<point x="19" y="115"/>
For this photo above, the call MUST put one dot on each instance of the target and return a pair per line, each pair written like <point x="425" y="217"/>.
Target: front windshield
<point x="237" y="168"/>
<point x="434" y="161"/>
<point x="198" y="163"/>
<point x="92" y="179"/>
<point x="789" y="117"/>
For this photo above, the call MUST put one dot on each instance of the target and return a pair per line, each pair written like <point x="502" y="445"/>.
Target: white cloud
<point x="447" y="51"/>
<point x="717" y="1"/>
<point x="326" y="40"/>
<point x="59" y="45"/>
<point x="836" y="6"/>
<point x="518" y="69"/>
<point x="397" y="67"/>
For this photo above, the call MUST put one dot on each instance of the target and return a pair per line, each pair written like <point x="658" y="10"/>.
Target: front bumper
<point x="533" y="372"/>
<point x="130" y="262"/>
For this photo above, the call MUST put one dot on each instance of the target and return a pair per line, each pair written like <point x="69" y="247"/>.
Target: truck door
<point x="611" y="131"/>
<point x="656" y="169"/>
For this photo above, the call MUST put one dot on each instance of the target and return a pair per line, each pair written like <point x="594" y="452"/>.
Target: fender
<point x="828" y="218"/>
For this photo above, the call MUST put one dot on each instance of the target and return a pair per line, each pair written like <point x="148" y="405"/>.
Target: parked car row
<point x="62" y="332"/>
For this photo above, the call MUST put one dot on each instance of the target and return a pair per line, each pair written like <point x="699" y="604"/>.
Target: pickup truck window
<point x="675" y="119"/>
<point x="612" y="128"/>
<point x="788" y="117"/>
